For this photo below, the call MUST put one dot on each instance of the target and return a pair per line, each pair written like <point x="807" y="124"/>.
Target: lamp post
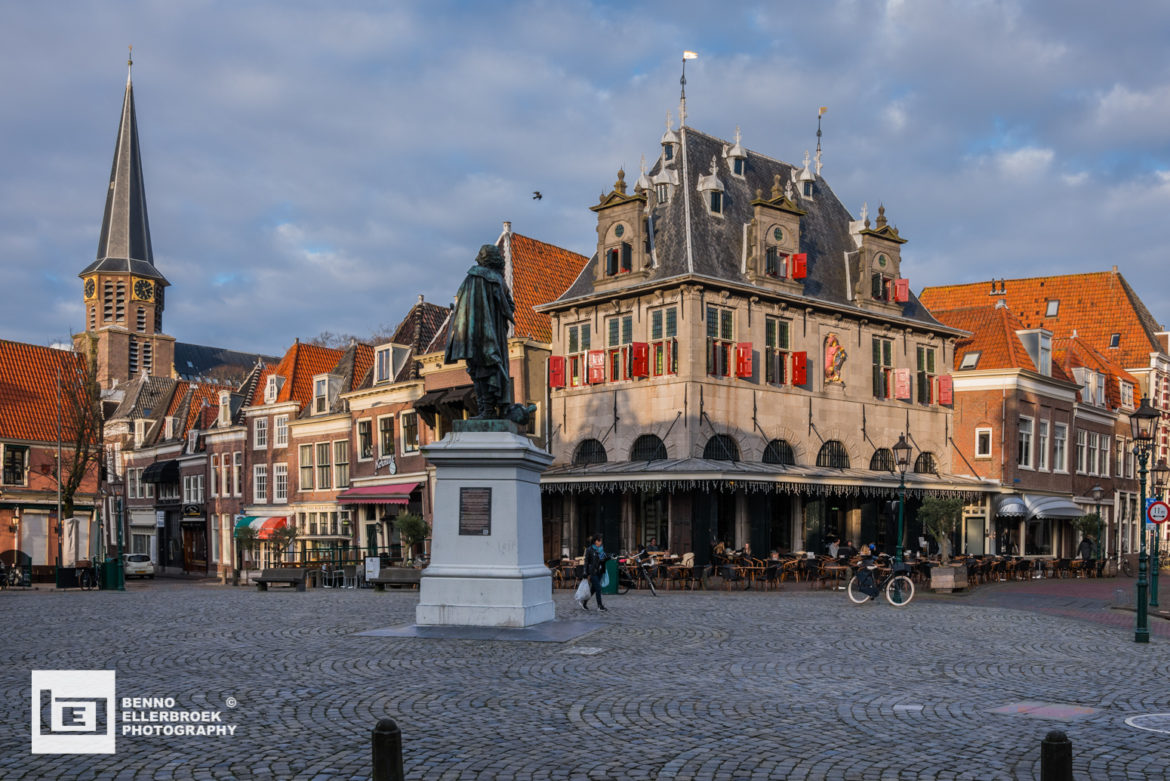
<point x="1159" y="482"/>
<point x="902" y="456"/>
<point x="1142" y="422"/>
<point x="1096" y="492"/>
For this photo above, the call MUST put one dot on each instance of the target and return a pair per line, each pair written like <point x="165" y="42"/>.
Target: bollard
<point x="387" y="740"/>
<point x="1056" y="757"/>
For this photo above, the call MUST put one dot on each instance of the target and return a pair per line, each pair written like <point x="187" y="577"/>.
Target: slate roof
<point x="716" y="242"/>
<point x="1094" y="305"/>
<point x="28" y="389"/>
<point x="541" y="272"/>
<point x="124" y="244"/>
<point x="200" y="363"/>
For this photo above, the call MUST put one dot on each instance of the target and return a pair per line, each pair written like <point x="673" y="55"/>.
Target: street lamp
<point x="1142" y="421"/>
<point x="902" y="457"/>
<point x="1097" y="491"/>
<point x="1159" y="481"/>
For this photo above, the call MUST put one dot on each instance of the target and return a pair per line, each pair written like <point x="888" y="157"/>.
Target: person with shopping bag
<point x="595" y="557"/>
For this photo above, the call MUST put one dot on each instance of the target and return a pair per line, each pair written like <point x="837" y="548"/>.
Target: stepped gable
<point x="716" y="241"/>
<point x="1095" y="305"/>
<point x="28" y="390"/>
<point x="541" y="272"/>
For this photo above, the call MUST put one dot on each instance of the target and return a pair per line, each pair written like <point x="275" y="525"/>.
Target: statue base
<point x="487" y="563"/>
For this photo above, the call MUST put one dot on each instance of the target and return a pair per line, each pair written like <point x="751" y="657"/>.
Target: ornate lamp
<point x="1143" y="421"/>
<point x="902" y="458"/>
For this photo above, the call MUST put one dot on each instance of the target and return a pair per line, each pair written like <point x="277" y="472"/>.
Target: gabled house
<point x="737" y="360"/>
<point x="33" y="419"/>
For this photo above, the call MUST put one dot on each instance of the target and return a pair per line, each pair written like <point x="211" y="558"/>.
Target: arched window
<point x="883" y="460"/>
<point x="925" y="464"/>
<point x="648" y="448"/>
<point x="721" y="448"/>
<point x="779" y="451"/>
<point x="590" y="451"/>
<point x="833" y="454"/>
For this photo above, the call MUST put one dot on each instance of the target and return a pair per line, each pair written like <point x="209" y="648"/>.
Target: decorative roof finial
<point x="620" y="184"/>
<point x="714" y="166"/>
<point x="788" y="189"/>
<point x="737" y="135"/>
<point x="129" y="63"/>
<point x="682" y="101"/>
<point x="806" y="158"/>
<point x="669" y="122"/>
<point x="776" y="192"/>
<point x="865" y="215"/>
<point x="820" y="114"/>
<point x="881" y="220"/>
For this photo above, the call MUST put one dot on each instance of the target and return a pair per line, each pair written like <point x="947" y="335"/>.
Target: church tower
<point x="123" y="290"/>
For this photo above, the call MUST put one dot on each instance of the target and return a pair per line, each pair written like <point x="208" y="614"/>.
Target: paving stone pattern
<point x="798" y="684"/>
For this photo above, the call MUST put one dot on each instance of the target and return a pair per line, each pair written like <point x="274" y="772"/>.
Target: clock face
<point x="143" y="289"/>
<point x="90" y="288"/>
<point x="619" y="230"/>
<point x="778" y="235"/>
<point x="882" y="260"/>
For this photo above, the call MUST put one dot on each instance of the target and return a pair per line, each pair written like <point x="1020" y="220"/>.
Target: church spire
<point x="124" y="245"/>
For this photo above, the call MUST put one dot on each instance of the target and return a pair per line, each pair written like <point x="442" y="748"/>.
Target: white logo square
<point x="73" y="711"/>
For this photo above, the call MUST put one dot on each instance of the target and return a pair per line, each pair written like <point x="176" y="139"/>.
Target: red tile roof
<point x="300" y="364"/>
<point x="540" y="273"/>
<point x="1095" y="306"/>
<point x="1076" y="352"/>
<point x="28" y="390"/>
<point x="363" y="361"/>
<point x="993" y="335"/>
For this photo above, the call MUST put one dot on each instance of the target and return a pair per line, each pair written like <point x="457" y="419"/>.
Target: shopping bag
<point x="583" y="591"/>
<point x="605" y="579"/>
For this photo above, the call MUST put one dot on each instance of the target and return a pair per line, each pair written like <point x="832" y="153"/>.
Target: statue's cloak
<point x="479" y="328"/>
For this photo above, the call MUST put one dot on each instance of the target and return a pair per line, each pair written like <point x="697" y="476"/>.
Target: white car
<point x="138" y="564"/>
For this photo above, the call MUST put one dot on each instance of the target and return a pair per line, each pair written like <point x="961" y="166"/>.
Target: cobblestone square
<point x="707" y="685"/>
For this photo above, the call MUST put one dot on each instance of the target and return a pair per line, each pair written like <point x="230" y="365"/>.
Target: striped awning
<point x="262" y="526"/>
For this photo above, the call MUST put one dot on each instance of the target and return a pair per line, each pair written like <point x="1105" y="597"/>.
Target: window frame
<point x="260" y="433"/>
<point x="925" y="376"/>
<point x="664" y="341"/>
<point x="341" y="467"/>
<point x="1042" y="428"/>
<point x="989" y="432"/>
<point x="1059" y="448"/>
<point x="408" y="447"/>
<point x="383" y="430"/>
<point x="324" y="466"/>
<point x="306" y="467"/>
<point x="578" y="343"/>
<point x="280" y="431"/>
<point x="618" y="350"/>
<point x="238" y="473"/>
<point x="365" y="452"/>
<point x="1025" y="442"/>
<point x="280" y="483"/>
<point x="776" y="354"/>
<point x="260" y="484"/>
<point x="720" y="341"/>
<point x="882" y="357"/>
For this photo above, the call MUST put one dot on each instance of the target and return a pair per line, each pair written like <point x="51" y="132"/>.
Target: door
<point x="703" y="509"/>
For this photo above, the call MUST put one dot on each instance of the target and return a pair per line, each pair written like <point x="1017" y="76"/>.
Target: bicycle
<point x="1125" y="568"/>
<point x="631" y="569"/>
<point x="87" y="577"/>
<point x="896" y="584"/>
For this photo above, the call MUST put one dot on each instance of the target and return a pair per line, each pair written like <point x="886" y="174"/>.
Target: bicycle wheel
<point x="85" y="580"/>
<point x="650" y="582"/>
<point x="624" y="582"/>
<point x="899" y="591"/>
<point x="855" y="593"/>
<point x="1126" y="568"/>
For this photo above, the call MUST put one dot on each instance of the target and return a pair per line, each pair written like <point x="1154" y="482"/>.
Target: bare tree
<point x="81" y="422"/>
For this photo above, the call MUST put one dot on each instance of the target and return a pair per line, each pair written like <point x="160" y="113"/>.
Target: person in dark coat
<point x="595" y="557"/>
<point x="479" y="331"/>
<point x="1086" y="549"/>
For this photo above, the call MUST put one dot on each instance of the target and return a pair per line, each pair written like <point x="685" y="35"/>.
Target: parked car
<point x="138" y="564"/>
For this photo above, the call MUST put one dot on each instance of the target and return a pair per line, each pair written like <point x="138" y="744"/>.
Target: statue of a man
<point x="479" y="331"/>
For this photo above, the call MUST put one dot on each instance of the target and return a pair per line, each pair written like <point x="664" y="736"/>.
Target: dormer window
<point x="737" y="166"/>
<point x="272" y="388"/>
<point x="1053" y="308"/>
<point x="1038" y="343"/>
<point x="775" y="262"/>
<point x="808" y="189"/>
<point x="1126" y="394"/>
<point x="971" y="359"/>
<point x="169" y="427"/>
<point x="716" y="203"/>
<point x="710" y="186"/>
<point x="662" y="192"/>
<point x="668" y="152"/>
<point x="321" y="396"/>
<point x="388" y="361"/>
<point x="225" y="408"/>
<point x="140" y="429"/>
<point x="879" y="287"/>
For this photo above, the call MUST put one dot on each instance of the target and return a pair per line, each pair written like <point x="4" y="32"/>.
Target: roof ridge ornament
<point x="820" y="114"/>
<point x="776" y="191"/>
<point x="620" y="185"/>
<point x="682" y="101"/>
<point x="881" y="220"/>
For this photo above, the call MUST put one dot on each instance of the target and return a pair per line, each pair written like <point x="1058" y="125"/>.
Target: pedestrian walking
<point x="595" y="557"/>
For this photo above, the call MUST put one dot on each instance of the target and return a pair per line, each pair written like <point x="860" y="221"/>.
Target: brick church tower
<point x="123" y="290"/>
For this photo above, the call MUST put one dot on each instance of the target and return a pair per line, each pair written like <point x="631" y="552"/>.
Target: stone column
<point x="487" y="566"/>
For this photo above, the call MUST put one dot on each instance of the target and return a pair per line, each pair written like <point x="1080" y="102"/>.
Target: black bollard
<point x="387" y="740"/>
<point x="1056" y="757"/>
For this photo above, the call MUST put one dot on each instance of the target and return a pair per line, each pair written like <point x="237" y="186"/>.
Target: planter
<point x="948" y="579"/>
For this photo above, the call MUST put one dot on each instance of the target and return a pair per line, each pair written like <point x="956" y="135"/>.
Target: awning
<point x="1036" y="506"/>
<point x="457" y="400"/>
<point x="262" y="526"/>
<point x="427" y="405"/>
<point x="378" y="494"/>
<point x="161" y="472"/>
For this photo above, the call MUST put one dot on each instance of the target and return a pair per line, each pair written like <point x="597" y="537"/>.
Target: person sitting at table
<point x="653" y="546"/>
<point x="772" y="568"/>
<point x="747" y="550"/>
<point x="848" y="551"/>
<point x="834" y="546"/>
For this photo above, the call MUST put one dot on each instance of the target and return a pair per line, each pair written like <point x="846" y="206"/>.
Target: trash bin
<point x="611" y="569"/>
<point x="109" y="574"/>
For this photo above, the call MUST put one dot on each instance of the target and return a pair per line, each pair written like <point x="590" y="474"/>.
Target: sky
<point x="316" y="167"/>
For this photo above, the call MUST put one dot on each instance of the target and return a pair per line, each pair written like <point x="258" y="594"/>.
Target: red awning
<point x="378" y="494"/>
<point x="269" y="526"/>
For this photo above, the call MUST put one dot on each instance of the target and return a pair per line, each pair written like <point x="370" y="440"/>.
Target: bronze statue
<point x="479" y="335"/>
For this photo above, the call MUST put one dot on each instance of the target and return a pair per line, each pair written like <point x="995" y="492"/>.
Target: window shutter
<point x="596" y="367"/>
<point x="799" y="368"/>
<point x="901" y="290"/>
<point x="627" y="257"/>
<point x="556" y="371"/>
<point x="800" y="265"/>
<point x="641" y="359"/>
<point x="902" y="384"/>
<point x="743" y="360"/>
<point x="611" y="262"/>
<point x="946" y="395"/>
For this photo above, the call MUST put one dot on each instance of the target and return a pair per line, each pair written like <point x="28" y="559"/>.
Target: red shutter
<point x="743" y="360"/>
<point x="641" y="359"/>
<point x="901" y="290"/>
<point x="800" y="265"/>
<point x="596" y="367"/>
<point x="556" y="371"/>
<point x="799" y="368"/>
<point x="946" y="390"/>
<point x="902" y="384"/>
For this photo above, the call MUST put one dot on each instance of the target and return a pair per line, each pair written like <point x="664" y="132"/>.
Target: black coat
<point x="594" y="562"/>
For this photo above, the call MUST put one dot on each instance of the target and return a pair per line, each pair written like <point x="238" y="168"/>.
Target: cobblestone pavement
<point x="800" y="684"/>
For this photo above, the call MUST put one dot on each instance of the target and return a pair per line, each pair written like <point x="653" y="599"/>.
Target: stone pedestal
<point x="487" y="549"/>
